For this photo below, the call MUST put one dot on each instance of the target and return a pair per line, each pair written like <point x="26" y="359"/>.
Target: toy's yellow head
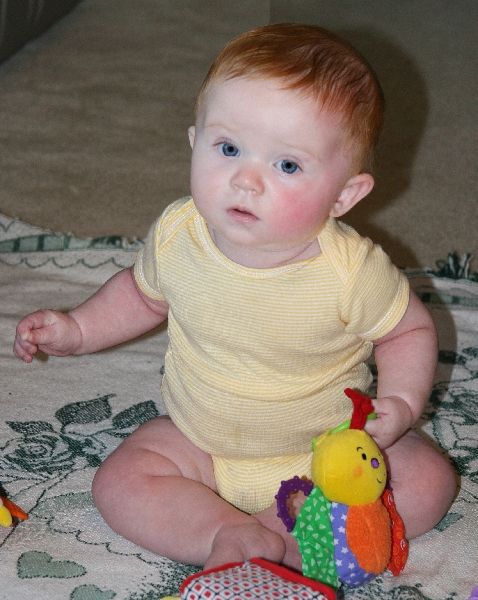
<point x="348" y="467"/>
<point x="5" y="516"/>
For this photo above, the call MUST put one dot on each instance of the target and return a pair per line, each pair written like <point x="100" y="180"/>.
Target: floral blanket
<point x="59" y="418"/>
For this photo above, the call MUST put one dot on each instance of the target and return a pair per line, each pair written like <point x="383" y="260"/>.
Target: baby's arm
<point x="406" y="360"/>
<point x="118" y="312"/>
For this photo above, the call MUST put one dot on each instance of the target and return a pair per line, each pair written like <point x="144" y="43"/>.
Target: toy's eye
<point x="364" y="456"/>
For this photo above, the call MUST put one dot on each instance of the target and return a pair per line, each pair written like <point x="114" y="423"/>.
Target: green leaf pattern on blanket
<point x="452" y="416"/>
<point x="375" y="591"/>
<point x="91" y="592"/>
<point x="44" y="451"/>
<point x="44" y="454"/>
<point x="456" y="267"/>
<point x="54" y="242"/>
<point x="41" y="564"/>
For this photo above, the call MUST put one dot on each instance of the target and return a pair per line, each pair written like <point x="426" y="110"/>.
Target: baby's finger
<point x="379" y="431"/>
<point x="373" y="426"/>
<point x="24" y="350"/>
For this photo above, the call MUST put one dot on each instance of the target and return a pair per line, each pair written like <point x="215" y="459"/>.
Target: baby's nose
<point x="248" y="178"/>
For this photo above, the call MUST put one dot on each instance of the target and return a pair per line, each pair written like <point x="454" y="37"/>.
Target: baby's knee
<point x="443" y="480"/>
<point x="101" y="488"/>
<point x="439" y="489"/>
<point x="435" y="470"/>
<point x="110" y="482"/>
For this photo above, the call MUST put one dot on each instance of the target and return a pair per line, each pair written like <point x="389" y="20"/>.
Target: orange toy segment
<point x="399" y="542"/>
<point x="14" y="510"/>
<point x="369" y="535"/>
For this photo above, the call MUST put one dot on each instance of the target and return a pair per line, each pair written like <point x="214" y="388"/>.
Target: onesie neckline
<point x="214" y="253"/>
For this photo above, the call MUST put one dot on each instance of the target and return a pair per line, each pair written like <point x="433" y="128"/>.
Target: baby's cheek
<point x="297" y="218"/>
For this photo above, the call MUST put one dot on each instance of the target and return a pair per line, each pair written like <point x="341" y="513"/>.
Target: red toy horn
<point x="362" y="407"/>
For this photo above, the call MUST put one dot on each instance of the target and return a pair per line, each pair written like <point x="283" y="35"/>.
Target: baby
<point x="273" y="307"/>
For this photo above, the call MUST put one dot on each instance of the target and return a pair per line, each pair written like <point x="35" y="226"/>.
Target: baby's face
<point x="267" y="165"/>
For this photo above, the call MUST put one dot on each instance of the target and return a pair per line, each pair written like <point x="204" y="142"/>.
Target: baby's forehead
<point x="227" y="96"/>
<point x="216" y="88"/>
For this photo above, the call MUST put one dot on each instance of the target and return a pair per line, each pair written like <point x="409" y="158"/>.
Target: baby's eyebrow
<point x="215" y="125"/>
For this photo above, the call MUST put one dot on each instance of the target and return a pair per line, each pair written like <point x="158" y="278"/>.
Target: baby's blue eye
<point x="229" y="149"/>
<point x="288" y="166"/>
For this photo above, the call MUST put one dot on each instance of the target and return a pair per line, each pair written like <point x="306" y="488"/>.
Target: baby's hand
<point x="394" y="418"/>
<point x="50" y="331"/>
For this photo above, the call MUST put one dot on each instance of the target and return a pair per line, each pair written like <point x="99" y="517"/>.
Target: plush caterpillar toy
<point x="10" y="513"/>
<point x="348" y="529"/>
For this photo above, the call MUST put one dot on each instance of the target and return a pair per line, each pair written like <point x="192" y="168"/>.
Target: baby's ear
<point x="356" y="188"/>
<point x="192" y="135"/>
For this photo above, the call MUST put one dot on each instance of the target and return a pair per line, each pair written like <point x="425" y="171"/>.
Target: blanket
<point x="60" y="417"/>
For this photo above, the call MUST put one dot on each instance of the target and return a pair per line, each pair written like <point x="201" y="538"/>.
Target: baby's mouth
<point x="241" y="214"/>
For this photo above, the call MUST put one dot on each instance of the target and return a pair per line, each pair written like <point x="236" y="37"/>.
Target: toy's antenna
<point x="362" y="408"/>
<point x="363" y="411"/>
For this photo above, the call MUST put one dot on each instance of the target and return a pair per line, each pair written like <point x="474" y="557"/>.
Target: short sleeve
<point x="375" y="293"/>
<point x="376" y="296"/>
<point x="146" y="267"/>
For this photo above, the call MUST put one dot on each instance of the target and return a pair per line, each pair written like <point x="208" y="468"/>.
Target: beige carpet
<point x="93" y="115"/>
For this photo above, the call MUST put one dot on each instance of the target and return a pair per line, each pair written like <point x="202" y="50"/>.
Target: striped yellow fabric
<point x="251" y="485"/>
<point x="259" y="358"/>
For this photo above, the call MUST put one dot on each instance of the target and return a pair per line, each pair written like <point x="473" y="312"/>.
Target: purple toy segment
<point x="474" y="594"/>
<point x="287" y="488"/>
<point x="348" y="569"/>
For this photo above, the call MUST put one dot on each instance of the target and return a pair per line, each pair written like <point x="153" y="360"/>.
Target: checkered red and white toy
<point x="255" y="579"/>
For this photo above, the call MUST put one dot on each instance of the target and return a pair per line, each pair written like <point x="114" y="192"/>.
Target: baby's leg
<point x="158" y="490"/>
<point x="423" y="482"/>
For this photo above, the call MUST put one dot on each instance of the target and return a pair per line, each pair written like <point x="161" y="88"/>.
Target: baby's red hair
<point x="317" y="63"/>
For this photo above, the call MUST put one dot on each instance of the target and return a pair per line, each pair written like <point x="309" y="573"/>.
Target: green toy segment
<point x="313" y="532"/>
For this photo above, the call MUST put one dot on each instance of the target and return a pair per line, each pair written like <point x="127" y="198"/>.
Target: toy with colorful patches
<point x="474" y="594"/>
<point x="254" y="579"/>
<point x="10" y="513"/>
<point x="348" y="529"/>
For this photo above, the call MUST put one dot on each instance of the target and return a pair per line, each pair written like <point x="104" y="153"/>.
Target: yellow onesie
<point x="258" y="358"/>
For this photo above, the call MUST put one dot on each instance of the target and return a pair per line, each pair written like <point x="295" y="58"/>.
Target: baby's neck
<point x="256" y="258"/>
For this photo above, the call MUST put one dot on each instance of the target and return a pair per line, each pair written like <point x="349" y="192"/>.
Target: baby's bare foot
<point x="269" y="519"/>
<point x="242" y="542"/>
